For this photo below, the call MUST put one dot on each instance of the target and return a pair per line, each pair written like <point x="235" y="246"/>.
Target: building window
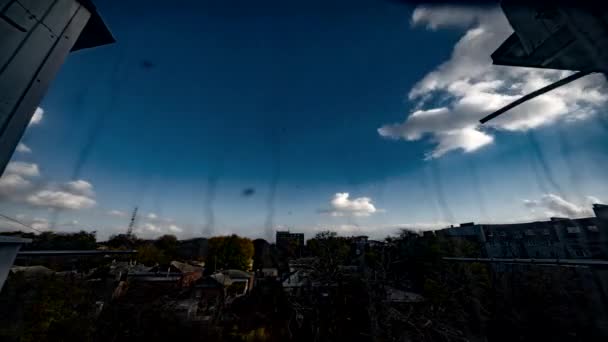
<point x="573" y="230"/>
<point x="530" y="232"/>
<point x="503" y="234"/>
<point x="546" y="231"/>
<point x="593" y="228"/>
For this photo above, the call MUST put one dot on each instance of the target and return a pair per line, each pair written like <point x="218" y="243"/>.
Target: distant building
<point x="270" y="272"/>
<point x="241" y="282"/>
<point x="292" y="243"/>
<point x="556" y="238"/>
<point x="299" y="276"/>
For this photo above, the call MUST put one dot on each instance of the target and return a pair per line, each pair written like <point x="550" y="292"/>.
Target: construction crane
<point x="132" y="223"/>
<point x="562" y="35"/>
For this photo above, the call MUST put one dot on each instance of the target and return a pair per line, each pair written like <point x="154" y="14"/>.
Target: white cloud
<point x="60" y="200"/>
<point x="469" y="87"/>
<point x="422" y="226"/>
<point x="444" y="16"/>
<point x="80" y="187"/>
<point x="37" y="116"/>
<point x="152" y="216"/>
<point x="35" y="223"/>
<point x="40" y="224"/>
<point x="23" y="148"/>
<point x="16" y="186"/>
<point x="342" y="205"/>
<point x="22" y="169"/>
<point x="117" y="213"/>
<point x="594" y="200"/>
<point x="73" y="195"/>
<point x="551" y="205"/>
<point x="175" y="229"/>
<point x="15" y="181"/>
<point x="12" y="183"/>
<point x="378" y="232"/>
<point x="468" y="139"/>
<point x="151" y="227"/>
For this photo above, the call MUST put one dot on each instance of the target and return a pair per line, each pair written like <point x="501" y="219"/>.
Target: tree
<point x="226" y="252"/>
<point x="167" y="244"/>
<point x="261" y="256"/>
<point x="150" y="255"/>
<point x="122" y="241"/>
<point x="332" y="251"/>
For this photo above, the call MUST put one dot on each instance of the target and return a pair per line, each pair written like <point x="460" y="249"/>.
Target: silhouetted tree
<point x="226" y="252"/>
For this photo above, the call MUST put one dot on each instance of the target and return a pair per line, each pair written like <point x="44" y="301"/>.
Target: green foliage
<point x="49" y="308"/>
<point x="123" y="241"/>
<point x="328" y="245"/>
<point x="151" y="255"/>
<point x="331" y="251"/>
<point x="228" y="252"/>
<point x="167" y="244"/>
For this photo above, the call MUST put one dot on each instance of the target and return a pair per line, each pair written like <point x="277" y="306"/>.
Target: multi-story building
<point x="556" y="238"/>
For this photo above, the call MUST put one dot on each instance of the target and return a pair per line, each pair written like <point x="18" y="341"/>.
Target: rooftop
<point x="95" y="32"/>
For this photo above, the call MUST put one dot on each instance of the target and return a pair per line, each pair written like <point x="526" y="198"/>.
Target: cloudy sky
<point x="359" y="116"/>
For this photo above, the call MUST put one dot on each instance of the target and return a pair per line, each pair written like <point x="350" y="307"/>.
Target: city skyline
<point x="361" y="119"/>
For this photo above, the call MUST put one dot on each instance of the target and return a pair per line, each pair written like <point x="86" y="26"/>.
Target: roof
<point x="13" y="239"/>
<point x="399" y="296"/>
<point x="222" y="279"/>
<point x="95" y="32"/>
<point x="35" y="270"/>
<point x="185" y="268"/>
<point x="551" y="37"/>
<point x="72" y="252"/>
<point x="208" y="283"/>
<point x="237" y="274"/>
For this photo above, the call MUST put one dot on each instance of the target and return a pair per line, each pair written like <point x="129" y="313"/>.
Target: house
<point x="299" y="276"/>
<point x="394" y="295"/>
<point x="242" y="282"/>
<point x="190" y="273"/>
<point x="270" y="272"/>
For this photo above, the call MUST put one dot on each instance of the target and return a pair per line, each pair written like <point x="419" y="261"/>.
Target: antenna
<point x="132" y="223"/>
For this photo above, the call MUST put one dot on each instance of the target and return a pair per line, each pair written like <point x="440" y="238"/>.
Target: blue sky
<point x="303" y="103"/>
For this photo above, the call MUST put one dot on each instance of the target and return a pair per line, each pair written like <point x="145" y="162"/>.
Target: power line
<point x="19" y="222"/>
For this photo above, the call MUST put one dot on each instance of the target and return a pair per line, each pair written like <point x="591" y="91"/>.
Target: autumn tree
<point x="230" y="252"/>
